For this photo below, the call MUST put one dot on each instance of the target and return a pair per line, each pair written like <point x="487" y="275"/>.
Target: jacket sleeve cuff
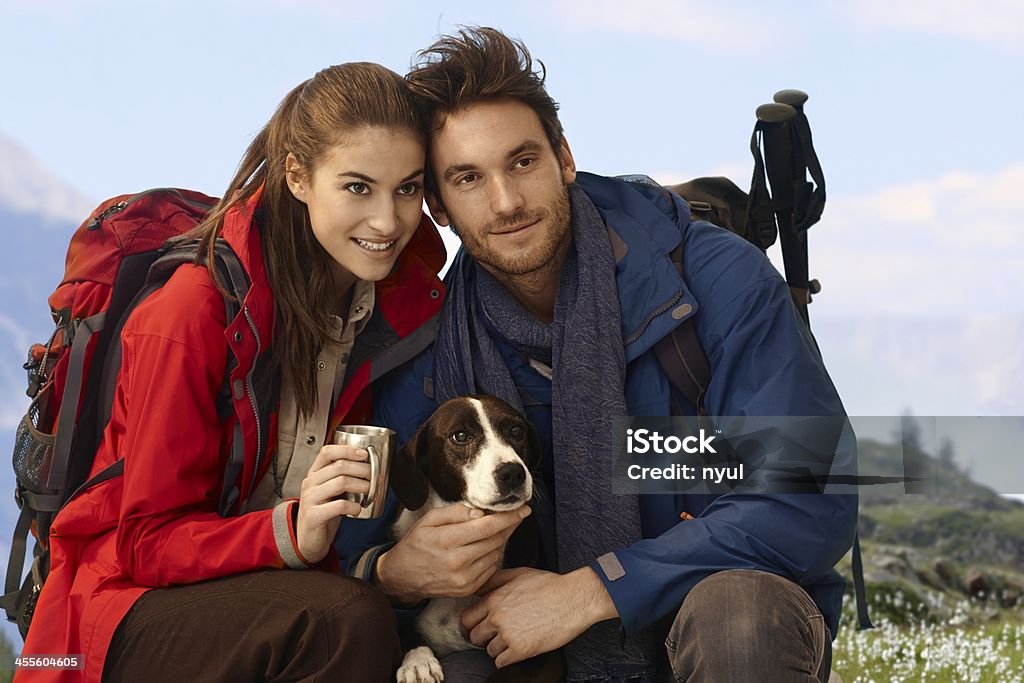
<point x="621" y="587"/>
<point x="284" y="534"/>
<point x="366" y="567"/>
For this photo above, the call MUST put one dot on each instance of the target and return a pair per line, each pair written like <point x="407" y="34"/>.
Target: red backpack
<point x="125" y="250"/>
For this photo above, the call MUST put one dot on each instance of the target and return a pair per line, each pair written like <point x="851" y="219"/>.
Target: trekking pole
<point x="761" y="222"/>
<point x="808" y="201"/>
<point x="773" y="138"/>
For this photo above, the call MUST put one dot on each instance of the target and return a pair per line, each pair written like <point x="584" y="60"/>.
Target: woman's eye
<point x="460" y="436"/>
<point x="516" y="432"/>
<point x="357" y="188"/>
<point x="409" y="189"/>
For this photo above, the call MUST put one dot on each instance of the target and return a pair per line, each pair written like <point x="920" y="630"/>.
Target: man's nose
<point x="506" y="199"/>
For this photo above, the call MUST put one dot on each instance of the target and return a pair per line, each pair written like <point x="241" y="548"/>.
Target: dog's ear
<point x="408" y="480"/>
<point x="534" y="453"/>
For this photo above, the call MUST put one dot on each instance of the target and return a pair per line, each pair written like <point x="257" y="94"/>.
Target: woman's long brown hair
<point x="312" y="118"/>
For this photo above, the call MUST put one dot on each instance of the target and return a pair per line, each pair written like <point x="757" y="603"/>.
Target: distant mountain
<point x="961" y="365"/>
<point x="27" y="187"/>
<point x="38" y="214"/>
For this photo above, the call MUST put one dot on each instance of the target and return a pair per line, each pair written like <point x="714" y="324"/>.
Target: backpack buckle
<point x="32" y="367"/>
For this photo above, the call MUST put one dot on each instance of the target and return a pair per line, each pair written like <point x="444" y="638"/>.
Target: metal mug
<point x="380" y="443"/>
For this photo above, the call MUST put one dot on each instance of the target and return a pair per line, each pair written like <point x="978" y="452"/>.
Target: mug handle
<point x="369" y="497"/>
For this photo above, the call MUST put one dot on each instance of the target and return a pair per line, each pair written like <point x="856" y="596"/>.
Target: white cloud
<point x="999" y="22"/>
<point x="714" y="27"/>
<point x="937" y="246"/>
<point x="950" y="244"/>
<point x="991" y="206"/>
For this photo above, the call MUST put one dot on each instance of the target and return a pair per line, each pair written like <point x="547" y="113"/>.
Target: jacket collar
<point x="409" y="296"/>
<point x="242" y="234"/>
<point x="645" y="224"/>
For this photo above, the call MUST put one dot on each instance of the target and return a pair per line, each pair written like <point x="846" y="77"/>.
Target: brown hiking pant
<point x="735" y="626"/>
<point x="276" y="625"/>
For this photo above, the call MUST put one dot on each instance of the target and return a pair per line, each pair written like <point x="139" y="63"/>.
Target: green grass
<point x="974" y="643"/>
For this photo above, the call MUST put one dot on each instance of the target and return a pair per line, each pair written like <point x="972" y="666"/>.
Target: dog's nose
<point x="510" y="476"/>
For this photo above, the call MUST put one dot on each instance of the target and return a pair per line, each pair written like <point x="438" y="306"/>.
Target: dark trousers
<point x="276" y="625"/>
<point x="735" y="626"/>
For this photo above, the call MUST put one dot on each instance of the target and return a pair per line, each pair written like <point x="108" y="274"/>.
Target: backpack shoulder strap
<point x="231" y="273"/>
<point x="682" y="357"/>
<point x="233" y="276"/>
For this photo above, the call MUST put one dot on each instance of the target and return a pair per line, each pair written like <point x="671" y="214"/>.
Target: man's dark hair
<point x="481" y="64"/>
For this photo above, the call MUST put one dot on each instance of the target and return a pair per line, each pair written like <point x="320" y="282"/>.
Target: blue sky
<point x="115" y="94"/>
<point x="915" y="107"/>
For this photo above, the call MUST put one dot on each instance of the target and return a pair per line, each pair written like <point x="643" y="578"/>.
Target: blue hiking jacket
<point x="764" y="363"/>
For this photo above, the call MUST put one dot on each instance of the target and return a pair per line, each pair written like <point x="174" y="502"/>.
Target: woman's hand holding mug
<point x="348" y="478"/>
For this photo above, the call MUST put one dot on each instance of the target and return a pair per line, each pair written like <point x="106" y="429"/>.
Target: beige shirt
<point x="299" y="439"/>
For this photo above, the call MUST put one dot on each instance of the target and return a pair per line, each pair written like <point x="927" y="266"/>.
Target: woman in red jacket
<point x="148" y="581"/>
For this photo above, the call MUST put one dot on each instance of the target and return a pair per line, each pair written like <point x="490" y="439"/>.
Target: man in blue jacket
<point x="562" y="288"/>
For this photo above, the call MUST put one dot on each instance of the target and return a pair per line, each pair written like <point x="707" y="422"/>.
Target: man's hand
<point x="450" y="552"/>
<point x="527" y="612"/>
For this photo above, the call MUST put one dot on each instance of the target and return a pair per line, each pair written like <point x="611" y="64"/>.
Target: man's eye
<point x="523" y="163"/>
<point x="358" y="188"/>
<point x="460" y="436"/>
<point x="467" y="179"/>
<point x="409" y="189"/>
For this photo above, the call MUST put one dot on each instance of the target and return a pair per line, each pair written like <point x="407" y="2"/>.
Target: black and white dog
<point x="482" y="452"/>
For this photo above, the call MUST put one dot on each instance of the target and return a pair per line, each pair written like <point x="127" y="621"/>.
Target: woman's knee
<point x="363" y="615"/>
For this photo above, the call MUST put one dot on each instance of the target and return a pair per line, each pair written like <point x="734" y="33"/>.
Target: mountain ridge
<point x="28" y="187"/>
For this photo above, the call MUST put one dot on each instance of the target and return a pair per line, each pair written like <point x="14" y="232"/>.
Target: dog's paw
<point x="420" y="666"/>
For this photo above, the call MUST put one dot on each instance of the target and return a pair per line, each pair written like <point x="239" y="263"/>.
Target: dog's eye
<point x="461" y="436"/>
<point x="516" y="432"/>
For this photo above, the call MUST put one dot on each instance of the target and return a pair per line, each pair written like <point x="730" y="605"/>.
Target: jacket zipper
<point x="647" y="321"/>
<point x="252" y="399"/>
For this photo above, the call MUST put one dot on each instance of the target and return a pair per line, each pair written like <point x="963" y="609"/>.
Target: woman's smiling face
<point x="365" y="198"/>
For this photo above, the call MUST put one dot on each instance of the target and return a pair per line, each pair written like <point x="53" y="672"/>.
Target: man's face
<point x="502" y="188"/>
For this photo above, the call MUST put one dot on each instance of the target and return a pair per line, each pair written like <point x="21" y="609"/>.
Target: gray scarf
<point x="583" y="346"/>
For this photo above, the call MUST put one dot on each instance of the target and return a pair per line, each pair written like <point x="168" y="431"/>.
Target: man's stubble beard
<point x="558" y="215"/>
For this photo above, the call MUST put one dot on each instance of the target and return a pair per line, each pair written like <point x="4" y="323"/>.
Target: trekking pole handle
<point x="775" y="112"/>
<point x="794" y="98"/>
